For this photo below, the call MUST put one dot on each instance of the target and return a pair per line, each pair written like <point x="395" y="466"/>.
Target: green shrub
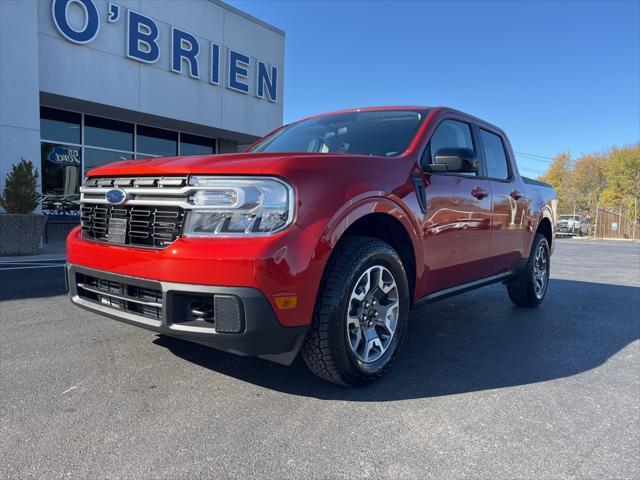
<point x="21" y="189"/>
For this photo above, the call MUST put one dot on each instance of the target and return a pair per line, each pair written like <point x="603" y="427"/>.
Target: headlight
<point x="242" y="206"/>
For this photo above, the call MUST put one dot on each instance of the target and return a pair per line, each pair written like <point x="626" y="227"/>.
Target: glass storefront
<point x="74" y="143"/>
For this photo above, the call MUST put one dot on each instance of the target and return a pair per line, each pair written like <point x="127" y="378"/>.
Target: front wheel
<point x="361" y="313"/>
<point x="531" y="287"/>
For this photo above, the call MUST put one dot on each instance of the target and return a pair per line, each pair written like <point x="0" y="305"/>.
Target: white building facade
<point x="86" y="82"/>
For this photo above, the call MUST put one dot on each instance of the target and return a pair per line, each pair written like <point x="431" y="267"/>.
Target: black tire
<point x="327" y="350"/>
<point x="524" y="291"/>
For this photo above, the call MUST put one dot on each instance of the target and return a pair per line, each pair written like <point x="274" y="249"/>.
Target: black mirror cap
<point x="455" y="160"/>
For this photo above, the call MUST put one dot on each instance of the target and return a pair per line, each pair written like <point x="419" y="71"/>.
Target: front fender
<point x="370" y="203"/>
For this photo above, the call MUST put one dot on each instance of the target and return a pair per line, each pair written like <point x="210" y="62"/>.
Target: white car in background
<point x="572" y="225"/>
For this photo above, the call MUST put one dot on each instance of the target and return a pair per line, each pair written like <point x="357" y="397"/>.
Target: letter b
<point x="142" y="38"/>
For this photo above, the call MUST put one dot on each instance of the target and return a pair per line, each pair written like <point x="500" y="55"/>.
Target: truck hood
<point x="228" y="164"/>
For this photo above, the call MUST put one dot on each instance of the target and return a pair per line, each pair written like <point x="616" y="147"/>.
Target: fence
<point x="614" y="225"/>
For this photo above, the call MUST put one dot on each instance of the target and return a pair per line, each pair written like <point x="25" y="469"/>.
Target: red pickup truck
<point x="319" y="238"/>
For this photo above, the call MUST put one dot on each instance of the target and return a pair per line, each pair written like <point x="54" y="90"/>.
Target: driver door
<point x="457" y="221"/>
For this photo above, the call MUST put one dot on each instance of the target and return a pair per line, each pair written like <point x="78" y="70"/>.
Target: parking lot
<point x="481" y="390"/>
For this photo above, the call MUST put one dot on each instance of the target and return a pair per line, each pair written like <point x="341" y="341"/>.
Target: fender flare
<point x="545" y="212"/>
<point x="374" y="203"/>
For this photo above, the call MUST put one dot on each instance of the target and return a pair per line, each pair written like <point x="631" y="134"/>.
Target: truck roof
<point x="404" y="107"/>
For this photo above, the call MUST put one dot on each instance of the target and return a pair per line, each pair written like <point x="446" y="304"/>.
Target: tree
<point x="20" y="190"/>
<point x="622" y="171"/>
<point x="559" y="176"/>
<point x="587" y="182"/>
<point x="611" y="179"/>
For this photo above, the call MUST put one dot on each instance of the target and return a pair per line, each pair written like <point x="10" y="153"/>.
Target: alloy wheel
<point x="372" y="315"/>
<point x="541" y="271"/>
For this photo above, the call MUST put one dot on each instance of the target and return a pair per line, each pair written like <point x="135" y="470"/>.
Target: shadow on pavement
<point x="473" y="342"/>
<point x="31" y="279"/>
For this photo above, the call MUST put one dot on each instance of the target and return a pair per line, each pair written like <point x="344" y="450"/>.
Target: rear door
<point x="508" y="203"/>
<point x="457" y="218"/>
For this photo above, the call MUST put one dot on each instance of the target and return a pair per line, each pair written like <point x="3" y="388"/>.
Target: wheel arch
<point x="388" y="222"/>
<point x="545" y="228"/>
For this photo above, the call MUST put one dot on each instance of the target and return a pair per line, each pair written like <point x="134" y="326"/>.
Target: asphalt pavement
<point x="481" y="390"/>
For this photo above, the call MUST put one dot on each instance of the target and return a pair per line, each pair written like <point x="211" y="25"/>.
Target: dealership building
<point x="86" y="82"/>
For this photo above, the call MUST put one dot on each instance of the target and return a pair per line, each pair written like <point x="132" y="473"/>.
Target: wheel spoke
<point x="385" y="284"/>
<point x="363" y="286"/>
<point x="373" y="346"/>
<point x="355" y="332"/>
<point x="388" y="317"/>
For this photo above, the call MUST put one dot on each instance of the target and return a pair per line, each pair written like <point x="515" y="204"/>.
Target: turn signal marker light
<point x="286" y="302"/>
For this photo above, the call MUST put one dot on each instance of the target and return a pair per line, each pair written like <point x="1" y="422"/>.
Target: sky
<point x="556" y="76"/>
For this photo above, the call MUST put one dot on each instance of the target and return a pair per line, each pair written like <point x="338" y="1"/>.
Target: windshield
<point x="569" y="217"/>
<point x="384" y="133"/>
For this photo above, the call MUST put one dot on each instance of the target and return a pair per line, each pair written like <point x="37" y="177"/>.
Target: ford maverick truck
<point x="318" y="239"/>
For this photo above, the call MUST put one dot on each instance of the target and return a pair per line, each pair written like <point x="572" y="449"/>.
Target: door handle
<point x="516" y="195"/>
<point x="479" y="193"/>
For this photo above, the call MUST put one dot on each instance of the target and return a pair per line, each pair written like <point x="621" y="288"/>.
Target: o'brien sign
<point x="143" y="45"/>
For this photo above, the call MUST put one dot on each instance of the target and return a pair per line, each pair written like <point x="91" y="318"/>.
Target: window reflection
<point x="104" y="141"/>
<point x="60" y="179"/>
<point x="155" y="141"/>
<point x="106" y="133"/>
<point x="95" y="158"/>
<point x="196" y="145"/>
<point x="59" y="126"/>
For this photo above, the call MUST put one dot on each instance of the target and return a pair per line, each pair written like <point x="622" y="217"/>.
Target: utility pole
<point x="635" y="217"/>
<point x="620" y="220"/>
<point x="595" y="228"/>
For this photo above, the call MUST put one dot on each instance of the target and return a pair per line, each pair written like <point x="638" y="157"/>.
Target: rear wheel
<point x="530" y="289"/>
<point x="361" y="313"/>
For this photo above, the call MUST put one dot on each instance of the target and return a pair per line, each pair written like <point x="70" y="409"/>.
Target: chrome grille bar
<point x="145" y="191"/>
<point x="132" y="225"/>
<point x="151" y="217"/>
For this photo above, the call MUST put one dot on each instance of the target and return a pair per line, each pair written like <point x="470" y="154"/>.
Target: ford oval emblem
<point x="116" y="196"/>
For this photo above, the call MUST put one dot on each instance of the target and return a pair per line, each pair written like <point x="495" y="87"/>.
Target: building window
<point x="105" y="133"/>
<point x="94" y="157"/>
<point x="74" y="143"/>
<point x="155" y="141"/>
<point x="60" y="126"/>
<point x="60" y="178"/>
<point x="195" y="145"/>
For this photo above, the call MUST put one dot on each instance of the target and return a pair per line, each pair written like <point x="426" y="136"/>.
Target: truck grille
<point x="138" y="226"/>
<point x="152" y="215"/>
<point x="120" y="296"/>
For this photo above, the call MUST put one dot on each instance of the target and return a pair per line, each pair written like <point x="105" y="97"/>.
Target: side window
<point x="450" y="134"/>
<point x="497" y="166"/>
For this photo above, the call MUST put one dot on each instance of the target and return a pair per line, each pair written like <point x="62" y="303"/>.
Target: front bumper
<point x="564" y="231"/>
<point x="243" y="321"/>
<point x="291" y="262"/>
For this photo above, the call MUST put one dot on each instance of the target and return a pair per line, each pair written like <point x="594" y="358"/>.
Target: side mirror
<point x="454" y="160"/>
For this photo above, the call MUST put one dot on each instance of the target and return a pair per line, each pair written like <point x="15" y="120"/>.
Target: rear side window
<point x="497" y="166"/>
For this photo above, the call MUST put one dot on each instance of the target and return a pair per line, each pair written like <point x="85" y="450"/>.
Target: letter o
<point x="91" y="26"/>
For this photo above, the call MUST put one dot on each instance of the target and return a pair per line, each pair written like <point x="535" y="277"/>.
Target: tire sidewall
<point x="391" y="262"/>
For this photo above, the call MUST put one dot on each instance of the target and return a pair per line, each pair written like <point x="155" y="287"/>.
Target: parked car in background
<point x="573" y="225"/>
<point x="318" y="239"/>
<point x="53" y="204"/>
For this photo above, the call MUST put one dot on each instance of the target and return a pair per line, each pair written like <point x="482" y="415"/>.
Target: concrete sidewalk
<point x="54" y="250"/>
<point x="612" y="239"/>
